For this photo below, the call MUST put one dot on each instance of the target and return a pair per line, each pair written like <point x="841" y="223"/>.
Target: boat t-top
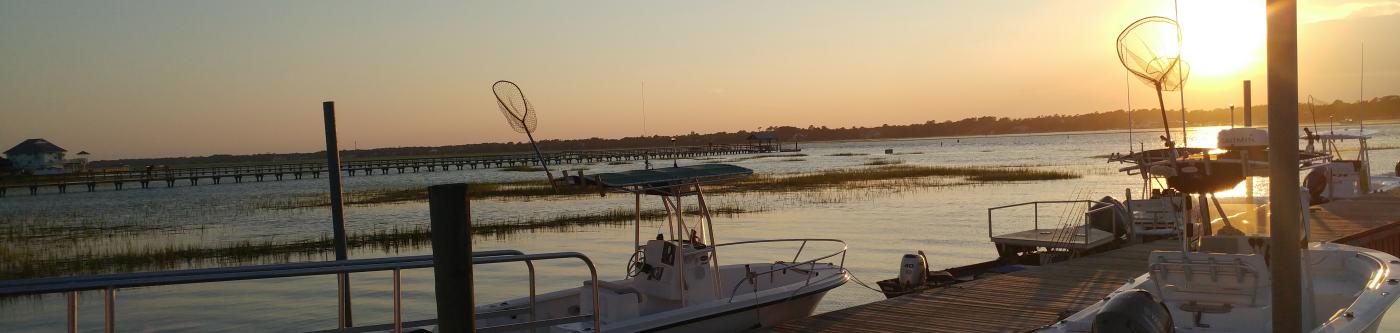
<point x="674" y="279"/>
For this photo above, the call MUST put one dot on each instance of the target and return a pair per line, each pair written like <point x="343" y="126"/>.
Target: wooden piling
<point x="450" y="214"/>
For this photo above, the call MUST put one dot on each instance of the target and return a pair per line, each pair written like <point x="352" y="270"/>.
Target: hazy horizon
<point x="169" y="78"/>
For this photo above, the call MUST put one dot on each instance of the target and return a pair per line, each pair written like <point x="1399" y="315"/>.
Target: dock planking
<point x="1038" y="296"/>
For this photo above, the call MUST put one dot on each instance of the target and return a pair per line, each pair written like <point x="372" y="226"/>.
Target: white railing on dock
<point x="1065" y="226"/>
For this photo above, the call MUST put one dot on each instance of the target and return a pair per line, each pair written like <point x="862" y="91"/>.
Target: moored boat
<point x="675" y="281"/>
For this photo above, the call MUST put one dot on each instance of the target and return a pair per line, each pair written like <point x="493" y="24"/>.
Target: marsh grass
<point x="1382" y="147"/>
<point x="22" y="264"/>
<point x="794" y="160"/>
<point x="755" y="157"/>
<point x="522" y="168"/>
<point x="16" y="263"/>
<point x="883" y="169"/>
<point x="518" y="190"/>
<point x="882" y="161"/>
<point x="891" y="172"/>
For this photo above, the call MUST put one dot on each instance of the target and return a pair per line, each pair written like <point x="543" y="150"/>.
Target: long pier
<point x="170" y="177"/>
<point x="1039" y="296"/>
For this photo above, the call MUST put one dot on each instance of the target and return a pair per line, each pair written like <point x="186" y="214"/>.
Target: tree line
<point x="1379" y="108"/>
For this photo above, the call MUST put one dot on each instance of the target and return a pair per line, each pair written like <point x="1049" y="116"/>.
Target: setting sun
<point x="1222" y="38"/>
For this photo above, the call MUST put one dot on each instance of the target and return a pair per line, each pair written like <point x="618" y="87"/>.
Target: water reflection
<point x="946" y="219"/>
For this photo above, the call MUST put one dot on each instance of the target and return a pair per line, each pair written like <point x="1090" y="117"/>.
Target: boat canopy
<point x="654" y="179"/>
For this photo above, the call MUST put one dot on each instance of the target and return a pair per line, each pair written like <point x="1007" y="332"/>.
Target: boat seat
<point x="1209" y="282"/>
<point x="613" y="298"/>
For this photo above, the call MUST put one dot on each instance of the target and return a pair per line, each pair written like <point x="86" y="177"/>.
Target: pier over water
<point x="170" y="177"/>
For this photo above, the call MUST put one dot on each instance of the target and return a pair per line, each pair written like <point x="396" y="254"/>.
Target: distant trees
<point x="1387" y="107"/>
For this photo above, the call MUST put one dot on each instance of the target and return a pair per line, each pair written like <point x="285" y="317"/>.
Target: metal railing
<point x="811" y="263"/>
<point x="1065" y="226"/>
<point x="110" y="283"/>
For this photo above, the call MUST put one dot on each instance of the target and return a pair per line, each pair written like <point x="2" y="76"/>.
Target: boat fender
<point x="1134" y="311"/>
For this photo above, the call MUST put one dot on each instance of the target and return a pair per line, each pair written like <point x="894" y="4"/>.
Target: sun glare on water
<point x="1222" y="38"/>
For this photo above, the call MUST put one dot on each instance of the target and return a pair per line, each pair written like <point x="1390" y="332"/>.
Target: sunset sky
<point x="176" y="78"/>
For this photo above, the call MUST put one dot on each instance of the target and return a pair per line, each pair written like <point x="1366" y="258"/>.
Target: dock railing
<point x="110" y="283"/>
<point x="1065" y="230"/>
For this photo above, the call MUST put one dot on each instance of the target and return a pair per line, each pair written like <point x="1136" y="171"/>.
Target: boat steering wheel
<point x="635" y="263"/>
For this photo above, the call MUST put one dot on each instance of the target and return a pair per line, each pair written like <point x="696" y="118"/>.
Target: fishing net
<point x="519" y="114"/>
<point x="1151" y="49"/>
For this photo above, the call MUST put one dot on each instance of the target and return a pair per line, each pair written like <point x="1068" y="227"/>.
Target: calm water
<point x="879" y="224"/>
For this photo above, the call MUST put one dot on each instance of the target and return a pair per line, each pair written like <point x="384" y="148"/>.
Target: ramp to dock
<point x="1036" y="297"/>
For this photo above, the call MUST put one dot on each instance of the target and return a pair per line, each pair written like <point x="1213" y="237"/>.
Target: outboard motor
<point x="1105" y="219"/>
<point x="913" y="271"/>
<point x="1133" y="311"/>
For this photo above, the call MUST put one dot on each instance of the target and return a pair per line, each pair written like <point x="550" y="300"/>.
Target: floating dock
<point x="1038" y="296"/>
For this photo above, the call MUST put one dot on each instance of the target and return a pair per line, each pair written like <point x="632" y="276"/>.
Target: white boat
<point x="1222" y="282"/>
<point x="1344" y="178"/>
<point x="675" y="281"/>
<point x="1346" y="289"/>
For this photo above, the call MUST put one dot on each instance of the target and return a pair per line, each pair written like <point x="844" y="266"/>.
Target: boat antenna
<point x="1128" y="87"/>
<point x="521" y="116"/>
<point x="1361" y="98"/>
<point x="1176" y="16"/>
<point x="644" y="110"/>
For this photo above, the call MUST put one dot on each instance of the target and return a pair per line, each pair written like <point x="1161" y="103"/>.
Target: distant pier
<point x="170" y="177"/>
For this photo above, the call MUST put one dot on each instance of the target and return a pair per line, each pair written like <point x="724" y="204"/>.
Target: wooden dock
<point x="149" y="177"/>
<point x="1074" y="238"/>
<point x="1038" y="296"/>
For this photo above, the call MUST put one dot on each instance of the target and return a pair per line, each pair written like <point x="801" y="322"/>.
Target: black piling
<point x="450" y="215"/>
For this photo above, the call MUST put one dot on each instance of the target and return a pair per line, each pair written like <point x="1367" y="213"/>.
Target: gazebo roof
<point x="34" y="146"/>
<point x="764" y="136"/>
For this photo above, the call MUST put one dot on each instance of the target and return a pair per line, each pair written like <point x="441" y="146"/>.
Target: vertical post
<point x="1248" y="105"/>
<point x="1249" y="122"/>
<point x="450" y="215"/>
<point x="398" y="303"/>
<point x="1283" y="165"/>
<point x="109" y="310"/>
<point x="72" y="312"/>
<point x="337" y="213"/>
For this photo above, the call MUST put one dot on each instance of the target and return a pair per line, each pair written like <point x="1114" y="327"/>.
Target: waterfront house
<point x="764" y="139"/>
<point x="36" y="156"/>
